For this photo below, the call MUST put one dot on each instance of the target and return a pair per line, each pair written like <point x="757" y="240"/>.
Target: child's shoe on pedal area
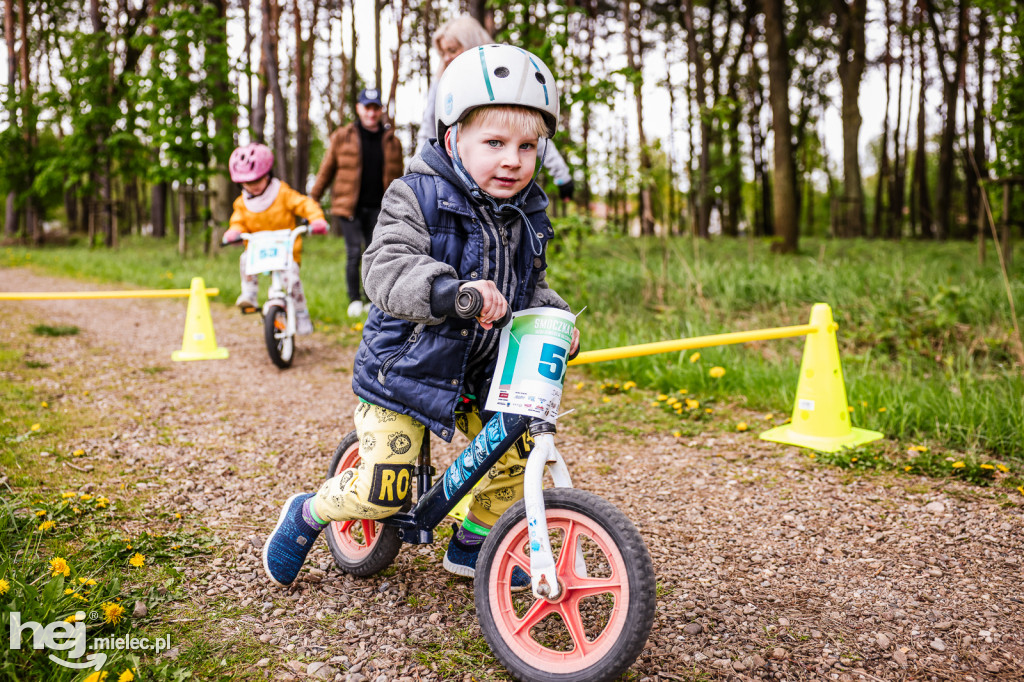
<point x="246" y="303"/>
<point x="287" y="546"/>
<point x="355" y="309"/>
<point x="461" y="558"/>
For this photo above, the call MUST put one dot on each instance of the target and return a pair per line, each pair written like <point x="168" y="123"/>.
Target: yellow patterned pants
<point x="389" y="444"/>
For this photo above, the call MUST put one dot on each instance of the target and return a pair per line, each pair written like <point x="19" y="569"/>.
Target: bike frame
<point x="435" y="501"/>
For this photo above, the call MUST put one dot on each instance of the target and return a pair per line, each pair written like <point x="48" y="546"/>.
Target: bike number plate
<point x="532" y="356"/>
<point x="267" y="252"/>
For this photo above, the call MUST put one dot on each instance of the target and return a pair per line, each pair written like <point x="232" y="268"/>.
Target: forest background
<point x="118" y="117"/>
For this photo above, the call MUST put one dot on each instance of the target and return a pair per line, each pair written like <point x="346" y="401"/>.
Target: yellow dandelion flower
<point x="882" y="409"/>
<point x="695" y="357"/>
<point x="177" y="515"/>
<point x="69" y="591"/>
<point x="853" y="460"/>
<point x="87" y="581"/>
<point x="113" y="613"/>
<point x="102" y="502"/>
<point x="812" y="455"/>
<point x="769" y="417"/>
<point x="85" y="392"/>
<point x="958" y="465"/>
<point x="85" y="498"/>
<point x="742" y="426"/>
<point x="1002" y="467"/>
<point x="126" y="676"/>
<point x="987" y="466"/>
<point x="98" y="676"/>
<point x="137" y="560"/>
<point x="71" y="619"/>
<point x="79" y="597"/>
<point x="36" y="427"/>
<point x="907" y="468"/>
<point x="1021" y="489"/>
<point x="661" y="397"/>
<point x="863" y="403"/>
<point x="692" y="404"/>
<point x="44" y="404"/>
<point x="46" y="525"/>
<point x="717" y="372"/>
<point x="78" y="453"/>
<point x="67" y="496"/>
<point x="580" y="385"/>
<point x="606" y="399"/>
<point x="849" y="408"/>
<point x="683" y="391"/>
<point x="175" y="546"/>
<point x="40" y="512"/>
<point x="708" y="410"/>
<point x="357" y="327"/>
<point x="4" y="586"/>
<point x="59" y="566"/>
<point x="677" y="434"/>
<point x="628" y="385"/>
<point x="76" y="510"/>
<point x="919" y="448"/>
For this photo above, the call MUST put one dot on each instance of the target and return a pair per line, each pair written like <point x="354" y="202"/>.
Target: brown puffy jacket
<point x="342" y="168"/>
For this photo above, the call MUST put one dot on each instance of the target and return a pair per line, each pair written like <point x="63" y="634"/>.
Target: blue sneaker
<point x="460" y="559"/>
<point x="287" y="546"/>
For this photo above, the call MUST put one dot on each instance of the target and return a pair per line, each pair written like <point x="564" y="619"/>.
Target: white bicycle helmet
<point x="495" y="74"/>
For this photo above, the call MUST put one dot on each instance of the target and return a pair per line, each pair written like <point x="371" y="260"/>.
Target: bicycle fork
<point x="544" y="577"/>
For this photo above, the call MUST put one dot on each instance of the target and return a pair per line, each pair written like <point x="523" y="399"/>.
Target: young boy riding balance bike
<point x="468" y="215"/>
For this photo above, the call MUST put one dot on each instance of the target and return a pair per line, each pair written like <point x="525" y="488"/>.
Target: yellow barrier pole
<point x="623" y="352"/>
<point x="84" y="295"/>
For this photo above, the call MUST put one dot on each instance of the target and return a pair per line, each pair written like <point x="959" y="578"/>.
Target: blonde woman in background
<point x="452" y="39"/>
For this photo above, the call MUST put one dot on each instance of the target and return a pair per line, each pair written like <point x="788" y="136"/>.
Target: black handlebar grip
<point x="468" y="303"/>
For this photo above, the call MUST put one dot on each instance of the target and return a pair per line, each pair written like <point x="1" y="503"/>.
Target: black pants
<point x="357" y="232"/>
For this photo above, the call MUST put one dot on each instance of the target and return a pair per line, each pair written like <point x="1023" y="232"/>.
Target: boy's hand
<point x="231" y="235"/>
<point x="318" y="226"/>
<point x="494" y="306"/>
<point x="574" y="347"/>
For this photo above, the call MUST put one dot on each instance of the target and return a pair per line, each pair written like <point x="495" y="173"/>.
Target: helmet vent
<point x="540" y="77"/>
<point x="501" y="72"/>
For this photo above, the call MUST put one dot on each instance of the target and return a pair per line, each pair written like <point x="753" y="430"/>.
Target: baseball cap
<point x="370" y="96"/>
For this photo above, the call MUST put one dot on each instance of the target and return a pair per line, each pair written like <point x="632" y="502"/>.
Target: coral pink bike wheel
<point x="598" y="625"/>
<point x="362" y="547"/>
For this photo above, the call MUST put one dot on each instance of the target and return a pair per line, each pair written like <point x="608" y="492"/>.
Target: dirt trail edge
<point x="768" y="566"/>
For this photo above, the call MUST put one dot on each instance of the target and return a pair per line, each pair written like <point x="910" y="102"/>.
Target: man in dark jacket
<point x="363" y="159"/>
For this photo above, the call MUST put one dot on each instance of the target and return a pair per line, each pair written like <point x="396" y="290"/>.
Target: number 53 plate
<point x="532" y="355"/>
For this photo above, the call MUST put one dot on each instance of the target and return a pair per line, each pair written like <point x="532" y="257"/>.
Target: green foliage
<point x="57" y="330"/>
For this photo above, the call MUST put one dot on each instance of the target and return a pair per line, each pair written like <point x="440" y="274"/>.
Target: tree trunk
<point x="303" y="69"/>
<point x="277" y="94"/>
<point x="701" y="196"/>
<point x="897" y="187"/>
<point x="158" y="209"/>
<point x="784" y="194"/>
<point x="877" y="229"/>
<point x="353" y="77"/>
<point x="378" y="71"/>
<point x="634" y="58"/>
<point x="224" y="123"/>
<point x="259" y="109"/>
<point x="923" y="208"/>
<point x="851" y="68"/>
<point x="392" y="105"/>
<point x="246" y="63"/>
<point x="12" y="217"/>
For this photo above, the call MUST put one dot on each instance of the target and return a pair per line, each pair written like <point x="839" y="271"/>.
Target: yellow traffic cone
<point x="199" y="342"/>
<point x="821" y="418"/>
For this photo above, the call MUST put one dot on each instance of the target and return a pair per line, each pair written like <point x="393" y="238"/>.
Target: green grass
<point x="924" y="331"/>
<point x="61" y="550"/>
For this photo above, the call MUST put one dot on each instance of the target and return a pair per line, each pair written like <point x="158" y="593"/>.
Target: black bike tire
<point x="384" y="550"/>
<point x="642" y="588"/>
<point x="275" y="345"/>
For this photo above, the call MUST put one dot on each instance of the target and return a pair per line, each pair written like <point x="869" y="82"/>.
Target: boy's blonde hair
<point x="507" y="117"/>
<point x="465" y="30"/>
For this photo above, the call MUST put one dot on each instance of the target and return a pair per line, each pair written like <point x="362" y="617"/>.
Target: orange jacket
<point x="279" y="216"/>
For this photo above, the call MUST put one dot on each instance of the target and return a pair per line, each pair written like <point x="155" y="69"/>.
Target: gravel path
<point x="769" y="567"/>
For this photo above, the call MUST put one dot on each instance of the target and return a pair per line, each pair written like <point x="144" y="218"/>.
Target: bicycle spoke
<point x="539" y="610"/>
<point x="369" y="531"/>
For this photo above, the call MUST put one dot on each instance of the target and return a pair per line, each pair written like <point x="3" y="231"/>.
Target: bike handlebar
<point x="469" y="302"/>
<point x="302" y="228"/>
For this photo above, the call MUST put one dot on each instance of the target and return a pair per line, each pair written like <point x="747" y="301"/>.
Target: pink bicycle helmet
<point x="250" y="163"/>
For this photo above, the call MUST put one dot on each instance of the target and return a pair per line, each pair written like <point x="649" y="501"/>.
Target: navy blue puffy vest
<point x="419" y="369"/>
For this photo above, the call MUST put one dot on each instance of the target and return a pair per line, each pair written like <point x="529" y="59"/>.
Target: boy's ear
<point x="448" y="142"/>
